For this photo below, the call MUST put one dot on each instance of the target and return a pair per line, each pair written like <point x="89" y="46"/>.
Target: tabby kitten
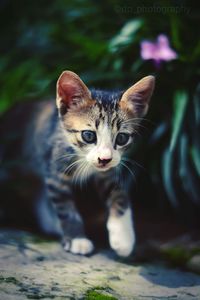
<point x="85" y="136"/>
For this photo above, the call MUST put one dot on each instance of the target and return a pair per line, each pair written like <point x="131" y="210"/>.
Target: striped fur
<point x="54" y="149"/>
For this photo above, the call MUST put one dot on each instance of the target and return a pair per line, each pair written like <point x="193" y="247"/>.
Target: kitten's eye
<point x="89" y="136"/>
<point x="122" y="139"/>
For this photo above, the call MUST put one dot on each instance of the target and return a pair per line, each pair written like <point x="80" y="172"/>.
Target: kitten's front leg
<point x="74" y="239"/>
<point x="120" y="223"/>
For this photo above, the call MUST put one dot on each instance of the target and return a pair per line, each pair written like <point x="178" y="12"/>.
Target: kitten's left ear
<point x="136" y="98"/>
<point x="71" y="90"/>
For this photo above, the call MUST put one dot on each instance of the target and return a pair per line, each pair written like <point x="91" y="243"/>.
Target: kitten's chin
<point x="103" y="168"/>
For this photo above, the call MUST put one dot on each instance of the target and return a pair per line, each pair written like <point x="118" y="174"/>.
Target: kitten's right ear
<point x="71" y="90"/>
<point x="136" y="98"/>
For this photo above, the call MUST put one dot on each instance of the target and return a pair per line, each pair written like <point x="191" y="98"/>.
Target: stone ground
<point x="34" y="268"/>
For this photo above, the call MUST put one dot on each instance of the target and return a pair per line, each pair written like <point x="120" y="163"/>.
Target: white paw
<point x="121" y="234"/>
<point x="79" y="246"/>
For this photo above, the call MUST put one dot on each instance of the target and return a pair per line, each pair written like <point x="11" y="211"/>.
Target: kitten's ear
<point x="70" y="91"/>
<point x="136" y="98"/>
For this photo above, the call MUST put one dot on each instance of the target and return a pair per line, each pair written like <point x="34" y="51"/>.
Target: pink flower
<point x="157" y="51"/>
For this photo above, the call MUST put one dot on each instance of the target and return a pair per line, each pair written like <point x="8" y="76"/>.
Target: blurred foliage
<point x="100" y="40"/>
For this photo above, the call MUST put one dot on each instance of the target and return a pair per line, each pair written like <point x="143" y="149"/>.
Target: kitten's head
<point x="101" y="125"/>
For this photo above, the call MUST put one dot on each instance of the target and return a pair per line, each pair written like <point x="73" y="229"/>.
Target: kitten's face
<point x="100" y="125"/>
<point x="98" y="132"/>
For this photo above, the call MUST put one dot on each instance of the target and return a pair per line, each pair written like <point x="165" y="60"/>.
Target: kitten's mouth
<point x="103" y="168"/>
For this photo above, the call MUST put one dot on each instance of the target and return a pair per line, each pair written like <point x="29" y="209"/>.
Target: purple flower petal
<point x="157" y="51"/>
<point x="147" y="50"/>
<point x="164" y="50"/>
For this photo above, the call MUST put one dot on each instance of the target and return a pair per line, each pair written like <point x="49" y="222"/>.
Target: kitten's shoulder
<point x="24" y="113"/>
<point x="45" y="115"/>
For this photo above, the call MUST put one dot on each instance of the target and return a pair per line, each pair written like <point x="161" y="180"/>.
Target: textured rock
<point x="33" y="268"/>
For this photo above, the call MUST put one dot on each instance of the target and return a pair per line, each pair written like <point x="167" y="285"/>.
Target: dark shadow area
<point x="170" y="278"/>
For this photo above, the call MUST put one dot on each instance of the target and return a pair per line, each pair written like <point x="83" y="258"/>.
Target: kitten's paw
<point x="123" y="246"/>
<point x="79" y="246"/>
<point x="121" y="234"/>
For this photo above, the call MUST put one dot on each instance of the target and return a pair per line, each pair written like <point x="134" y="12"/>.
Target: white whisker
<point x="119" y="177"/>
<point x="68" y="156"/>
<point x="77" y="178"/>
<point x="130" y="171"/>
<point x="133" y="162"/>
<point x="71" y="166"/>
<point x="130" y="122"/>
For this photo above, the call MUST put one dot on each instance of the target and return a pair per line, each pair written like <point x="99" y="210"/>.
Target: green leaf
<point x="175" y="31"/>
<point x="159" y="132"/>
<point x="167" y="172"/>
<point x="180" y="103"/>
<point x="196" y="158"/>
<point x="197" y="105"/>
<point x="4" y="103"/>
<point x="189" y="183"/>
<point x="195" y="149"/>
<point x="126" y="34"/>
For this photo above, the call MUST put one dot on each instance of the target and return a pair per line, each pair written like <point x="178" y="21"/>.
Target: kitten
<point x="84" y="137"/>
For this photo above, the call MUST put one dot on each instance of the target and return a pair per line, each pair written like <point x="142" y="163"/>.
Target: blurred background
<point x="111" y="44"/>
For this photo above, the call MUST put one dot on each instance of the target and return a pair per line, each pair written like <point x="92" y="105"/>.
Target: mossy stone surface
<point x="36" y="268"/>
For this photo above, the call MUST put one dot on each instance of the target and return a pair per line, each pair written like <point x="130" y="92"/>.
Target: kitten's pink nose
<point x="105" y="156"/>
<point x="104" y="162"/>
